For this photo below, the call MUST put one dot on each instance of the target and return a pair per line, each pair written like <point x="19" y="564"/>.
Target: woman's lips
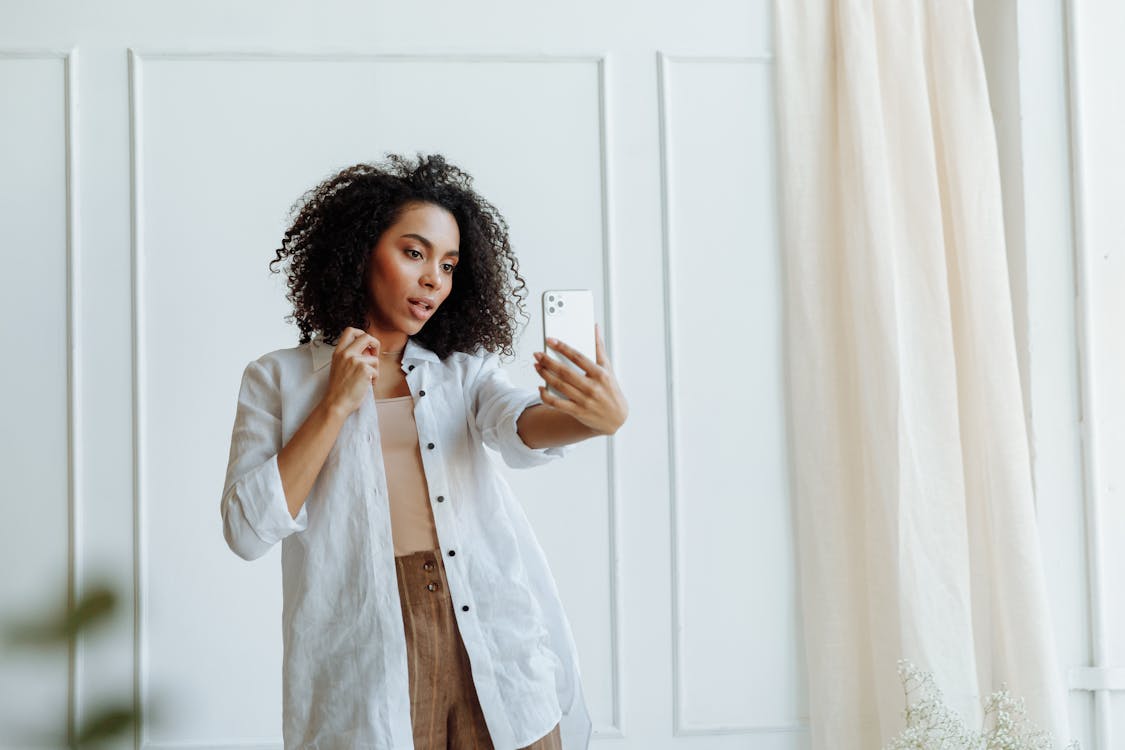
<point x="420" y="311"/>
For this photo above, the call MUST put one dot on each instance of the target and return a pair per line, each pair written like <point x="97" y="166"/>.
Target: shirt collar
<point x="414" y="351"/>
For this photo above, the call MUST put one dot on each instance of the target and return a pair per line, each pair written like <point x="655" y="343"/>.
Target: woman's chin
<point x="415" y="324"/>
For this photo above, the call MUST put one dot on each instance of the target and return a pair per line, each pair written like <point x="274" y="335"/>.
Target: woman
<point x="418" y="608"/>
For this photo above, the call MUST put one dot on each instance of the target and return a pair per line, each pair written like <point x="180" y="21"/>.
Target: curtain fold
<point x="915" y="514"/>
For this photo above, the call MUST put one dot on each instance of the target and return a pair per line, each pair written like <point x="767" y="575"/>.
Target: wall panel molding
<point x="72" y="336"/>
<point x="681" y="723"/>
<point x="137" y="59"/>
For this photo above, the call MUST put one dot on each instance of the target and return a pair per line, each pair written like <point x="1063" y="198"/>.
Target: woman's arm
<point x="266" y="483"/>
<point x="302" y="458"/>
<point x="543" y="426"/>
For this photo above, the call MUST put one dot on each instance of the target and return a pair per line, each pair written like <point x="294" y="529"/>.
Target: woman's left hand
<point x="593" y="398"/>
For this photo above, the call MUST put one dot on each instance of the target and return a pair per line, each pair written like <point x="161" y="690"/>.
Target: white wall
<point x="148" y="156"/>
<point x="1097" y="120"/>
<point x="149" y="153"/>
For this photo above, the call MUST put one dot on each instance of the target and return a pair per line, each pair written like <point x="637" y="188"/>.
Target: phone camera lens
<point x="550" y="309"/>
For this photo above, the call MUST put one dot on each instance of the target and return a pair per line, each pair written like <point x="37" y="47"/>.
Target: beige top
<point x="412" y="520"/>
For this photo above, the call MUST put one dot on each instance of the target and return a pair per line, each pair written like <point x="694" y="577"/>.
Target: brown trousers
<point x="444" y="709"/>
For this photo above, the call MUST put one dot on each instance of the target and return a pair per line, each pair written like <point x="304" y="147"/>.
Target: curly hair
<point x="338" y="223"/>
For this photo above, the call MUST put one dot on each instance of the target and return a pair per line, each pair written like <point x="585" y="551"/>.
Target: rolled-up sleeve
<point x="497" y="404"/>
<point x="255" y="514"/>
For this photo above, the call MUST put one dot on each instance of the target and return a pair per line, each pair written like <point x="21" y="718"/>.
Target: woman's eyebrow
<point x="429" y="244"/>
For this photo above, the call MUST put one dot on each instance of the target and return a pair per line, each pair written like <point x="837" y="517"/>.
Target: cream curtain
<point x="915" y="515"/>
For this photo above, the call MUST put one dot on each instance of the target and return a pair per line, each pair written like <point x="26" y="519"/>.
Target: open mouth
<point x="420" y="309"/>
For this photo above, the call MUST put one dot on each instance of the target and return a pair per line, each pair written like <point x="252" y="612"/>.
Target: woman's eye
<point x="452" y="267"/>
<point x="412" y="250"/>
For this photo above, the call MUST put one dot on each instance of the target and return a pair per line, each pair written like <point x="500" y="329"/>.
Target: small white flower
<point x="931" y="725"/>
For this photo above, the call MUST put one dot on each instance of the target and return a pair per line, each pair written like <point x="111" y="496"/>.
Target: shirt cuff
<point x="262" y="498"/>
<point x="517" y="453"/>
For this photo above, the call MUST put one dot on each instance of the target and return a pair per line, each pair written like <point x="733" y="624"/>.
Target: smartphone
<point x="568" y="315"/>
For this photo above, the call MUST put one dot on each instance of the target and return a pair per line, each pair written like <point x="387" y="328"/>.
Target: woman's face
<point x="413" y="259"/>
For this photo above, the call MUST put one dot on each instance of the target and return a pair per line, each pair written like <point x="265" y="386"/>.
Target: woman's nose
<point x="432" y="279"/>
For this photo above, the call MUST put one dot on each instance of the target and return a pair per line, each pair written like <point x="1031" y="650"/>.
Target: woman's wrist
<point x="333" y="410"/>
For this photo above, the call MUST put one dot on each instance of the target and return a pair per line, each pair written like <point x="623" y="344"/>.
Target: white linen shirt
<point x="345" y="680"/>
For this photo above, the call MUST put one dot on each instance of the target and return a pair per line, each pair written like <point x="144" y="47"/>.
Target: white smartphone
<point x="568" y="315"/>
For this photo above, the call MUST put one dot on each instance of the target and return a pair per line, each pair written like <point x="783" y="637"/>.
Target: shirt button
<point x="430" y="445"/>
<point x="452" y="553"/>
<point x="464" y="607"/>
<point x="441" y="498"/>
<point x="411" y="367"/>
<point x="432" y="586"/>
<point x="428" y="565"/>
<point x="421" y="393"/>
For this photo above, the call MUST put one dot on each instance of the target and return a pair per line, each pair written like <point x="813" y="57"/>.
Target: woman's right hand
<point x="354" y="371"/>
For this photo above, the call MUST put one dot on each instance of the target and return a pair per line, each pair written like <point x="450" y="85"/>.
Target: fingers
<point x="352" y="343"/>
<point x="358" y="345"/>
<point x="561" y="404"/>
<point x="558" y="381"/>
<point x="362" y="343"/>
<point x="347" y="336"/>
<point x="557" y="373"/>
<point x="591" y="368"/>
<point x="599" y="343"/>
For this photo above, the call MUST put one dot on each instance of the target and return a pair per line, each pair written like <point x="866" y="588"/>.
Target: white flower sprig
<point x="932" y="725"/>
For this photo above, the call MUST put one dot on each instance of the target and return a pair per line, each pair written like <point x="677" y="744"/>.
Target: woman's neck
<point x="389" y="342"/>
